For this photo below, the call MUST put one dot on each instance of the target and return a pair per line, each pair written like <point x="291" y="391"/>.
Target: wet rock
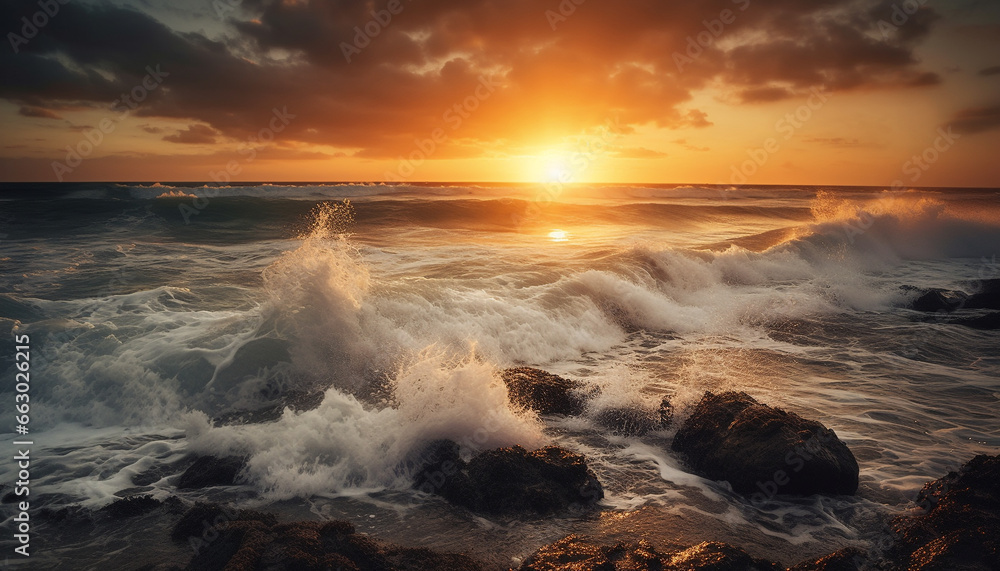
<point x="210" y="471"/>
<point x="847" y="559"/>
<point x="543" y="392"/>
<point x="935" y="300"/>
<point x="715" y="556"/>
<point x="131" y="506"/>
<point x="636" y="420"/>
<point x="988" y="322"/>
<point x="441" y="464"/>
<point x="764" y="451"/>
<point x="68" y="515"/>
<point x="960" y="529"/>
<point x="306" y="546"/>
<point x="576" y="554"/>
<point x="202" y="522"/>
<point x="987" y="296"/>
<point x="511" y="480"/>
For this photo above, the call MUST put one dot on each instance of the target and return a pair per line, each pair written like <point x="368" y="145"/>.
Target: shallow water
<point x="403" y="306"/>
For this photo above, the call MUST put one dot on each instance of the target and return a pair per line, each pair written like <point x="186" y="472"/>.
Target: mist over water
<point x="400" y="307"/>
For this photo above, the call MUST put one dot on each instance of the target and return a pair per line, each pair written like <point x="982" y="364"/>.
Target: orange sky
<point x="723" y="91"/>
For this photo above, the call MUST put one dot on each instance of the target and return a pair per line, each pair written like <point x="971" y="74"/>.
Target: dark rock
<point x="847" y="559"/>
<point x="69" y="515"/>
<point x="210" y="471"/>
<point x="988" y="322"/>
<point x="131" y="506"/>
<point x="635" y="420"/>
<point x="511" y="480"/>
<point x="134" y="491"/>
<point x="575" y="554"/>
<point x="543" y="392"/>
<point x="960" y="529"/>
<point x="151" y="476"/>
<point x="174" y="505"/>
<point x="987" y="296"/>
<point x="307" y="546"/>
<point x="203" y="521"/>
<point x="764" y="451"/>
<point x="936" y="300"/>
<point x="440" y="464"/>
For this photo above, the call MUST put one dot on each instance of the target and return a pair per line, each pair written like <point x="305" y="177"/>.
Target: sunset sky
<point x="718" y="91"/>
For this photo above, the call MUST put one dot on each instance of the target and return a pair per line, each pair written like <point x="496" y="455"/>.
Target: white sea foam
<point x="407" y="347"/>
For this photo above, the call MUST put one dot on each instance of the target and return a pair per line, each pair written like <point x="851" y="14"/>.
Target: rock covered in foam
<point x="764" y="451"/>
<point x="960" y="528"/>
<point x="574" y="553"/>
<point x="510" y="480"/>
<point x="543" y="392"/>
<point x="636" y="420"/>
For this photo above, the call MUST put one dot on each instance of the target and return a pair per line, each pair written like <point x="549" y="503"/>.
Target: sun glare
<point x="559" y="235"/>
<point x="556" y="171"/>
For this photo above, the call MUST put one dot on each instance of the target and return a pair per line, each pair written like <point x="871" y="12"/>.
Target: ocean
<point x="156" y="310"/>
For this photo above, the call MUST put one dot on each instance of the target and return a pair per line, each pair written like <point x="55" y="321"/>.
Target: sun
<point x="549" y="165"/>
<point x="556" y="171"/>
<point x="559" y="236"/>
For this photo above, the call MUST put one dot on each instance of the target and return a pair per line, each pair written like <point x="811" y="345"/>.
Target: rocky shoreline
<point x="760" y="451"/>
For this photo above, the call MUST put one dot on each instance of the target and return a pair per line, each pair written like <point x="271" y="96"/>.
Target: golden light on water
<point x="559" y="235"/>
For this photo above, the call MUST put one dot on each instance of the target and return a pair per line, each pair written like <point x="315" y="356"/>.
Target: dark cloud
<point x="513" y="79"/>
<point x="976" y="119"/>
<point x="894" y="19"/>
<point x="194" y="135"/>
<point x="39" y="112"/>
<point x="992" y="70"/>
<point x="765" y="94"/>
